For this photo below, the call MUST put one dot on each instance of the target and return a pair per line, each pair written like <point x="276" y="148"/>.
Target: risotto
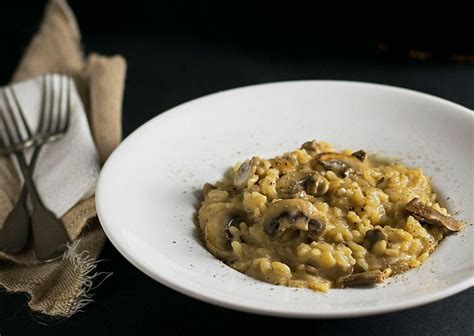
<point x="317" y="218"/>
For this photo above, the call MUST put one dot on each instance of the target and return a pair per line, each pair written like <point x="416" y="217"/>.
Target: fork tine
<point x="9" y="109"/>
<point x="4" y="138"/>
<point x="22" y="115"/>
<point x="68" y="104"/>
<point x="43" y="105"/>
<point x="5" y="126"/>
<point x="50" y="113"/>
<point x="59" y="110"/>
<point x="3" y="143"/>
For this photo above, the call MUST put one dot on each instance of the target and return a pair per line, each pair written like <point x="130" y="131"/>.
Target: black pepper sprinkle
<point x="174" y="241"/>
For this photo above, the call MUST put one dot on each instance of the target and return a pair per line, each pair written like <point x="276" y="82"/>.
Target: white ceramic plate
<point x="146" y="199"/>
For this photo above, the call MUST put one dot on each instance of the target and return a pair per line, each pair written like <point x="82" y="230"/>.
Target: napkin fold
<point x="61" y="288"/>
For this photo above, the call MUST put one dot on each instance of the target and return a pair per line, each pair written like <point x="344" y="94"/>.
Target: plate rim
<point x="365" y="311"/>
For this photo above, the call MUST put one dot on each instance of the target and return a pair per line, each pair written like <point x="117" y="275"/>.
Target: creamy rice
<point x="316" y="218"/>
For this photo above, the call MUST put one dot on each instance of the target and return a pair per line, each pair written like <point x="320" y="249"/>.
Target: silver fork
<point x="49" y="235"/>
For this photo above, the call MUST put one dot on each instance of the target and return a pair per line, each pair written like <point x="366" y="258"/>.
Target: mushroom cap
<point x="216" y="233"/>
<point x="245" y="171"/>
<point x="292" y="183"/>
<point x="315" y="229"/>
<point x="313" y="183"/>
<point x="339" y="163"/>
<point x="316" y="184"/>
<point x="207" y="212"/>
<point x="293" y="209"/>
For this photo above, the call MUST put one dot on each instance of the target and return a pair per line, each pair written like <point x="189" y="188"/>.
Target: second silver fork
<point x="50" y="237"/>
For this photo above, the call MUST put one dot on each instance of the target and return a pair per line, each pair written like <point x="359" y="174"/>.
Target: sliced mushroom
<point x="360" y="154"/>
<point x="245" y="171"/>
<point x="300" y="222"/>
<point x="216" y="232"/>
<point x="295" y="182"/>
<point x="315" y="229"/>
<point x="316" y="184"/>
<point x="428" y="215"/>
<point x="363" y="279"/>
<point x="342" y="165"/>
<point x="373" y="236"/>
<point x="293" y="213"/>
<point x="234" y="221"/>
<point x="312" y="147"/>
<point x="285" y="211"/>
<point x="291" y="183"/>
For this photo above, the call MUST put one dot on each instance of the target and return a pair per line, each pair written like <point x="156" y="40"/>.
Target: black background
<point x="177" y="51"/>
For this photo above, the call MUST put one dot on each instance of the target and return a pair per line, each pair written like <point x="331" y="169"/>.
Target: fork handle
<point x="14" y="233"/>
<point x="49" y="234"/>
<point x="27" y="175"/>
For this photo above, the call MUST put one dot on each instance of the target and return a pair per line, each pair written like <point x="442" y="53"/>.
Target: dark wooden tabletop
<point x="170" y="65"/>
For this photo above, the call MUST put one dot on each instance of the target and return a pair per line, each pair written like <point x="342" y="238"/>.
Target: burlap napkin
<point x="60" y="288"/>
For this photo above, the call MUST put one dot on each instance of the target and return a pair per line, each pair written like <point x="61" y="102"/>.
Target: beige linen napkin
<point x="60" y="288"/>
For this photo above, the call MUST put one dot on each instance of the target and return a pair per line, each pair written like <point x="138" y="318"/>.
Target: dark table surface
<point x="166" y="68"/>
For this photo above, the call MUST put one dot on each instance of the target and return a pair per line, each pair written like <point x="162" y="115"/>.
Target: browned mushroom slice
<point x="360" y="154"/>
<point x="312" y="147"/>
<point x="368" y="278"/>
<point x="373" y="236"/>
<point x="342" y="165"/>
<point x="245" y="171"/>
<point x="293" y="213"/>
<point x="295" y="182"/>
<point x="428" y="215"/>
<point x="216" y="232"/>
